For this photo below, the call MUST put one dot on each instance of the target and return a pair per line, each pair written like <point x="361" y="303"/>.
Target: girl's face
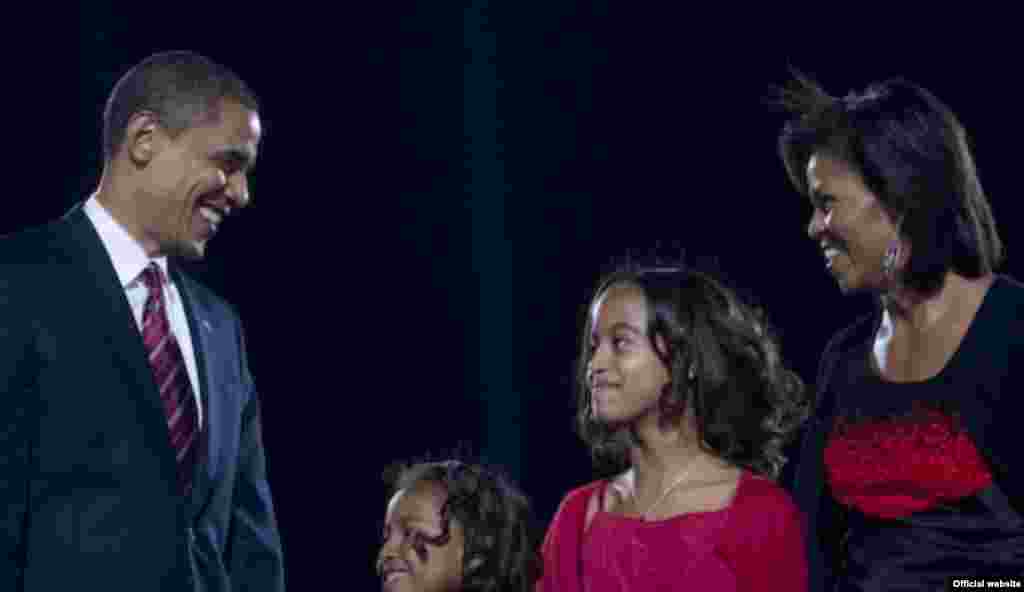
<point x="414" y="557"/>
<point x="625" y="375"/>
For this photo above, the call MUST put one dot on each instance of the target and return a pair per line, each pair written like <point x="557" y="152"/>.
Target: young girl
<point x="685" y="404"/>
<point x="452" y="526"/>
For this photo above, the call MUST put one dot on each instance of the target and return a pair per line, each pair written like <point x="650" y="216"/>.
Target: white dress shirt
<point x="130" y="259"/>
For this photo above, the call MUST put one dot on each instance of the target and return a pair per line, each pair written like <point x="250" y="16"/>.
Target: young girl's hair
<point x="502" y="545"/>
<point x="722" y="360"/>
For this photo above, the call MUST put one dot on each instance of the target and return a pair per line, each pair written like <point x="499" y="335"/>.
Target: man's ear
<point x="143" y="137"/>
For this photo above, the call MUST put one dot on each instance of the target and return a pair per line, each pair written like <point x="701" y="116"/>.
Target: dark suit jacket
<point x="88" y="497"/>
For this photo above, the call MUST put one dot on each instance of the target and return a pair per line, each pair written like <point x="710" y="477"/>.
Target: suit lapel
<point x="201" y="325"/>
<point x="99" y="291"/>
<point x="103" y="296"/>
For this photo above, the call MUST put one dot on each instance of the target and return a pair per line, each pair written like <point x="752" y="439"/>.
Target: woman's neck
<point x="914" y="312"/>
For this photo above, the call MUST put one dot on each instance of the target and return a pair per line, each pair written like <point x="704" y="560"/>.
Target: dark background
<point x="439" y="188"/>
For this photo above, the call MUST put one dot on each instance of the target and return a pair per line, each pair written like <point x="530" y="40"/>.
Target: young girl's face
<point x="625" y="375"/>
<point x="412" y="558"/>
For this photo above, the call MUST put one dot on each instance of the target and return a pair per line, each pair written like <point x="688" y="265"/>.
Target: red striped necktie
<point x="171" y="376"/>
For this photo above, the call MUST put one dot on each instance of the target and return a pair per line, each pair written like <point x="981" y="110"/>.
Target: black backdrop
<point x="439" y="187"/>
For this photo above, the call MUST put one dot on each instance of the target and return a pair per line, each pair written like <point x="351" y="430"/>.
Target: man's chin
<point x="188" y="250"/>
<point x="847" y="289"/>
<point x="853" y="286"/>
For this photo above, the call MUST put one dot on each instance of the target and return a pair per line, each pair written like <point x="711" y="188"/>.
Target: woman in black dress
<point x="910" y="473"/>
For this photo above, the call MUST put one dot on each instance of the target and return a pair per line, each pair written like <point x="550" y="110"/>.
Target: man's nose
<point x="238" y="190"/>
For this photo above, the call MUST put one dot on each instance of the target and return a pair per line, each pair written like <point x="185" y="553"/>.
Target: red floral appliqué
<point x="894" y="467"/>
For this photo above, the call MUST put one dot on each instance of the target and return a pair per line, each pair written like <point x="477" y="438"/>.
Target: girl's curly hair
<point x="502" y="545"/>
<point x="722" y="360"/>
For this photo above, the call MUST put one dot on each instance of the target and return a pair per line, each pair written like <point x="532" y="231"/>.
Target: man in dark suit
<point x="131" y="455"/>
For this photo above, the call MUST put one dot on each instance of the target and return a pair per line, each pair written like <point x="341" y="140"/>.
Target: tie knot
<point x="153" y="277"/>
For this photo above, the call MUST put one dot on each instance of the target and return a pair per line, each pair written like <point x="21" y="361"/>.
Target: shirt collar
<point x="127" y="254"/>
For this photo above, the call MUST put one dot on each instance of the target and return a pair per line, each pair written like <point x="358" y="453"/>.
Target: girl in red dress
<point x="685" y="405"/>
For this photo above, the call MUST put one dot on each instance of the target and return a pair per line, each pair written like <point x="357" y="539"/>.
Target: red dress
<point x="753" y="544"/>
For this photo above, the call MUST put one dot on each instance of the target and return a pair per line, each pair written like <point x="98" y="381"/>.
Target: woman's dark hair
<point x="914" y="155"/>
<point x="745" y="402"/>
<point x="502" y="545"/>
